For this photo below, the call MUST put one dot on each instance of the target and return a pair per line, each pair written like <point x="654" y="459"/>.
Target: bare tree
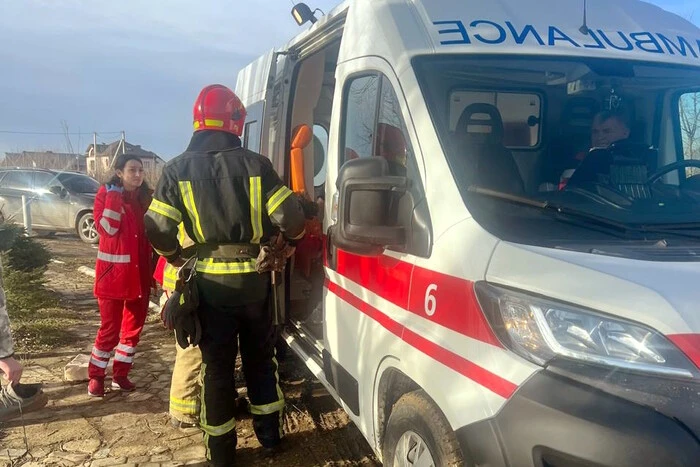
<point x="689" y="108"/>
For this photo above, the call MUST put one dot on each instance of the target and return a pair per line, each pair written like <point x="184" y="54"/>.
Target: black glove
<point x="181" y="311"/>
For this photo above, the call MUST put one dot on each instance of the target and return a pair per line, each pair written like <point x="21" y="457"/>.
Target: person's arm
<point x="108" y="210"/>
<point x="163" y="217"/>
<point x="283" y="208"/>
<point x="10" y="367"/>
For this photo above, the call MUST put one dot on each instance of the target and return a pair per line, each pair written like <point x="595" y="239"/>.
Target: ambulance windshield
<point x="614" y="143"/>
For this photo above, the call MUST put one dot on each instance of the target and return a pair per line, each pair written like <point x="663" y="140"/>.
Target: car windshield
<point x="609" y="142"/>
<point x="79" y="183"/>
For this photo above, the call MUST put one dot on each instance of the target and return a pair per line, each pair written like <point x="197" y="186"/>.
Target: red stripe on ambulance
<point x="479" y="375"/>
<point x="689" y="345"/>
<point x="445" y="300"/>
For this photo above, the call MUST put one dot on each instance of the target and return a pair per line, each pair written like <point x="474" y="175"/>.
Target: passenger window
<point x="374" y="127"/>
<point x="392" y="138"/>
<point x="18" y="180"/>
<point x="251" y="139"/>
<point x="44" y="180"/>
<point x="377" y="132"/>
<point x="521" y="114"/>
<point x="689" y="112"/>
<point x="320" y="142"/>
<point x="360" y="114"/>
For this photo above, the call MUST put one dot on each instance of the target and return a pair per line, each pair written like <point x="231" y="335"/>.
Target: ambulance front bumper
<point x="571" y="416"/>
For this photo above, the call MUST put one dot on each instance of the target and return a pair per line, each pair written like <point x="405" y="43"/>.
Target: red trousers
<point x="122" y="322"/>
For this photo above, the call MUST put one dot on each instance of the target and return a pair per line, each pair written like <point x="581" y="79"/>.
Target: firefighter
<point x="231" y="202"/>
<point x="185" y="382"/>
<point x="123" y="274"/>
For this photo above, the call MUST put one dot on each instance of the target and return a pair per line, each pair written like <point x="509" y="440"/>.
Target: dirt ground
<point x="133" y="429"/>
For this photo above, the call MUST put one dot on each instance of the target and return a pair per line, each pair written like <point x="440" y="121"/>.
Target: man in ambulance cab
<point x="231" y="202"/>
<point x="608" y="127"/>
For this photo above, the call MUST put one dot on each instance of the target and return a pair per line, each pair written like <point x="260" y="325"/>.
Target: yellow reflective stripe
<point x="256" y="208"/>
<point x="277" y="198"/>
<point x="203" y="411"/>
<point x="181" y="234"/>
<point x="219" y="430"/>
<point x="165" y="210"/>
<point x="188" y="199"/>
<point x="188" y="402"/>
<point x="208" y="266"/>
<point x="272" y="407"/>
<point x="210" y="122"/>
<point x="165" y="253"/>
<point x="169" y="277"/>
<point x="187" y="407"/>
<point x="267" y="408"/>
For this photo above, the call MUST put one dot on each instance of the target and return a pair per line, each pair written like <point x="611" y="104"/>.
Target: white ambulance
<point x="505" y="269"/>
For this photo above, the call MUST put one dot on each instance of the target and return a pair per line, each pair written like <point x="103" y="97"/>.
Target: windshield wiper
<point x="589" y="218"/>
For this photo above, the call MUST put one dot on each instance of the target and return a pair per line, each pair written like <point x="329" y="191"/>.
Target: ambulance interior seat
<point x="301" y="138"/>
<point x="574" y="136"/>
<point x="480" y="158"/>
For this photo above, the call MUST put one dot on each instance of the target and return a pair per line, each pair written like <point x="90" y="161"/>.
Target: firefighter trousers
<point x="185" y="384"/>
<point x="121" y="323"/>
<point x="224" y="324"/>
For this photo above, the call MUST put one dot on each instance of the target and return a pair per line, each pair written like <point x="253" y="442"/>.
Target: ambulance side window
<point x="391" y="140"/>
<point x="360" y="114"/>
<point x="689" y="116"/>
<point x="374" y="125"/>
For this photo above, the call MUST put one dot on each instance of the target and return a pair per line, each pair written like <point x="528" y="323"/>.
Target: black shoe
<point x="273" y="450"/>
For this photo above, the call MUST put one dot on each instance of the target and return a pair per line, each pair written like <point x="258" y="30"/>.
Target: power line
<point x="12" y="132"/>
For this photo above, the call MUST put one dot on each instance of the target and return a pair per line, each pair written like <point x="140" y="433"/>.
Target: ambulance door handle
<point x="331" y="249"/>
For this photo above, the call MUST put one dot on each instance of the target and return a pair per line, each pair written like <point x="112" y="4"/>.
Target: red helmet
<point x="219" y="108"/>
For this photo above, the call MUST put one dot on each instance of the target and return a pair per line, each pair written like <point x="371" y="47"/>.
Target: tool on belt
<point x="273" y="259"/>
<point x="180" y="310"/>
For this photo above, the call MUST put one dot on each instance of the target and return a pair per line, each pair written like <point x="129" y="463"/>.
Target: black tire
<point x="86" y="229"/>
<point x="416" y="414"/>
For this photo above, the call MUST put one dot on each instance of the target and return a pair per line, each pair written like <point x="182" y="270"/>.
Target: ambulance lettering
<point x="457" y="32"/>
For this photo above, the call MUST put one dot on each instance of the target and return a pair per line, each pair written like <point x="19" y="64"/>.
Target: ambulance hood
<point x="661" y="294"/>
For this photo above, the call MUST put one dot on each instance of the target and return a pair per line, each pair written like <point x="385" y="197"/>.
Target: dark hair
<point x="621" y="115"/>
<point x="144" y="190"/>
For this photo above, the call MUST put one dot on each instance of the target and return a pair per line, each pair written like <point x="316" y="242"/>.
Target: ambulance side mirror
<point x="368" y="214"/>
<point x="302" y="13"/>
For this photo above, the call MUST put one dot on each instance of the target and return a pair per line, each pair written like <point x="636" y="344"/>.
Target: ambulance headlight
<point x="540" y="330"/>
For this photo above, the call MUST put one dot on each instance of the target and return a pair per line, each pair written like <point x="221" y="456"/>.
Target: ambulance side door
<point x="365" y="296"/>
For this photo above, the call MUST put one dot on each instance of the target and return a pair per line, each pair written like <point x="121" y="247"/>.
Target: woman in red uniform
<point x="122" y="273"/>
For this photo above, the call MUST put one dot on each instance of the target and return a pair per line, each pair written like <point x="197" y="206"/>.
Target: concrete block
<point x="77" y="369"/>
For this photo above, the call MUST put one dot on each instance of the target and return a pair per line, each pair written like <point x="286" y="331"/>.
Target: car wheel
<point x="418" y="434"/>
<point x="87" y="229"/>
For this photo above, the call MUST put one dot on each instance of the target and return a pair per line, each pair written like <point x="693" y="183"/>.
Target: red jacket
<point x="123" y="266"/>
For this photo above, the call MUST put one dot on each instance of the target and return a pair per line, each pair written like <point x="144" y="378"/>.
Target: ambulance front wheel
<point x="418" y="434"/>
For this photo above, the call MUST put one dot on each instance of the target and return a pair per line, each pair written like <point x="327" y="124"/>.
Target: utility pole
<point x="94" y="155"/>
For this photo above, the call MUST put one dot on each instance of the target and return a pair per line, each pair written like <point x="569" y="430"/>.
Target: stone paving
<point x="133" y="428"/>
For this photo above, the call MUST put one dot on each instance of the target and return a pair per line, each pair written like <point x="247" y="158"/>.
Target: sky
<point x="134" y="65"/>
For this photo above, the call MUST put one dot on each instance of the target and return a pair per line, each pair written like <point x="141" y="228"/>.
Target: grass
<point x="38" y="322"/>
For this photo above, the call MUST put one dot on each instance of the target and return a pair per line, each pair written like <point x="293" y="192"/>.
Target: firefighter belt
<point x="180" y="311"/>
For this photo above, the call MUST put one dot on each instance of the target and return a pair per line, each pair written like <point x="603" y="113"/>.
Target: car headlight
<point x="539" y="329"/>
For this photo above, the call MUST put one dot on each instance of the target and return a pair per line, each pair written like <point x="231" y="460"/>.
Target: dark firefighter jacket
<point x="224" y="195"/>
